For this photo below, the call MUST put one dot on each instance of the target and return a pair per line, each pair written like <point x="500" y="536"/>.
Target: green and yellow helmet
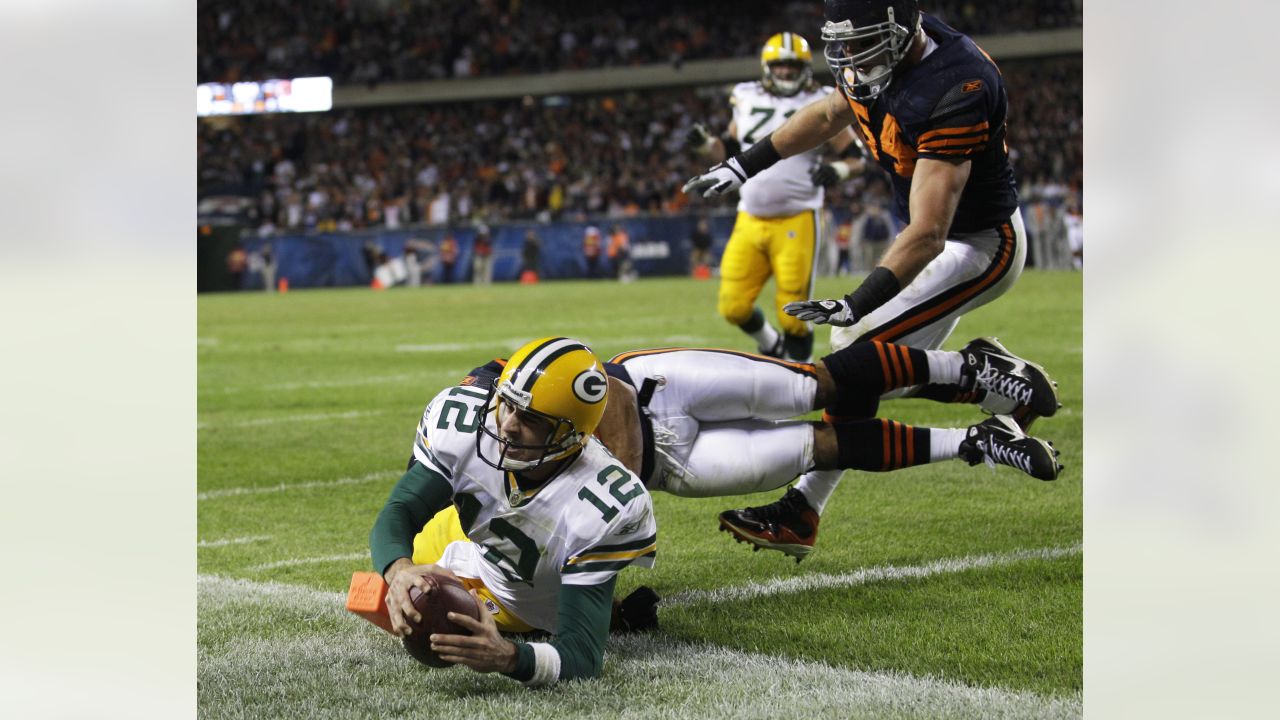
<point x="558" y="379"/>
<point x="790" y="49"/>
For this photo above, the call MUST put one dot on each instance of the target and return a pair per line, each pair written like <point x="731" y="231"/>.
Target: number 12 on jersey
<point x="618" y="477"/>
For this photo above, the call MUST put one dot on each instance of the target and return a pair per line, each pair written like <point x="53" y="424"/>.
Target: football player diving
<point x="508" y="491"/>
<point x="703" y="422"/>
<point x="779" y="211"/>
<point x="931" y="107"/>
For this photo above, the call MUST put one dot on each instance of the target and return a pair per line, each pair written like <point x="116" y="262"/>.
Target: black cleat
<point x="1014" y="386"/>
<point x="999" y="441"/>
<point x="789" y="525"/>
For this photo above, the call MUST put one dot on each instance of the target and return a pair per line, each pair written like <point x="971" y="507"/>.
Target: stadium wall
<point x="659" y="246"/>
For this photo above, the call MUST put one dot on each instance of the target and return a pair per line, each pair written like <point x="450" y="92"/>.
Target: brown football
<point x="447" y="595"/>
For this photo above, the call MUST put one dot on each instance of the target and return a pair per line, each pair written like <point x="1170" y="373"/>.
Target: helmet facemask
<point x="863" y="58"/>
<point x="785" y="87"/>
<point x="560" y="441"/>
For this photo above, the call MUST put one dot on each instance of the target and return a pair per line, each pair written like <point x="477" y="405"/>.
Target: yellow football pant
<point x="759" y="247"/>
<point x="428" y="547"/>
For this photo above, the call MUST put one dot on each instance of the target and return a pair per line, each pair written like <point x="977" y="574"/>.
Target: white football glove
<point x="823" y="312"/>
<point x="719" y="180"/>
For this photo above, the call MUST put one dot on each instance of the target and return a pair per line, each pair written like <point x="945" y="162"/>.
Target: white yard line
<point x="232" y="541"/>
<point x="311" y="417"/>
<point x="651" y="675"/>
<point x="865" y="576"/>
<point x="288" y="487"/>
<point x="420" y="377"/>
<point x="362" y="555"/>
<point x="513" y="344"/>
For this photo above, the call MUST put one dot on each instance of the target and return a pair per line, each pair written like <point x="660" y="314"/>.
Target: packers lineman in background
<point x="509" y="491"/>
<point x="779" y="212"/>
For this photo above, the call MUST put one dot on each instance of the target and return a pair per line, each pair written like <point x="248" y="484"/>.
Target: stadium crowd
<point x="373" y="41"/>
<point x="550" y="158"/>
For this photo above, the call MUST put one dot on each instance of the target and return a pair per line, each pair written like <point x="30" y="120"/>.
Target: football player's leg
<point x="738" y="458"/>
<point x="973" y="269"/>
<point x="863" y="372"/>
<point x="793" y="253"/>
<point x="721" y="385"/>
<point x="744" y="268"/>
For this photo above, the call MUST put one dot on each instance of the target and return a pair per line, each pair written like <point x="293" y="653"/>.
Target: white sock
<point x="944" y="444"/>
<point x="817" y="486"/>
<point x="944" y="366"/>
<point x="766" y="337"/>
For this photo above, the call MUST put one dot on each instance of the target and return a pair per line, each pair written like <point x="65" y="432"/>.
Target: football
<point x="448" y="595"/>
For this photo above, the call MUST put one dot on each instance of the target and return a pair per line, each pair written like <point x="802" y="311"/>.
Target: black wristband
<point x="879" y="288"/>
<point x="731" y="145"/>
<point x="759" y="156"/>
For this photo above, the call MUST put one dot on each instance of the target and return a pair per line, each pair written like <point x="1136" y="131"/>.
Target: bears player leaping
<point x="932" y="109"/>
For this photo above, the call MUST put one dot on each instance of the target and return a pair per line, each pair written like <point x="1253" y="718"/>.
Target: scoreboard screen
<point x="306" y="94"/>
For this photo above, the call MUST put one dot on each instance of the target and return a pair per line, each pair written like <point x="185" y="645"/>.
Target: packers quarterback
<point x="779" y="212"/>
<point x="509" y="491"/>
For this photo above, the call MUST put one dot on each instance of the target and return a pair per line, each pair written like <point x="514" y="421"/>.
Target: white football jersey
<point x="581" y="528"/>
<point x="784" y="189"/>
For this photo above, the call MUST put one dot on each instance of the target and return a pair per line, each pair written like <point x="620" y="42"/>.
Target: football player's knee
<point x="735" y="307"/>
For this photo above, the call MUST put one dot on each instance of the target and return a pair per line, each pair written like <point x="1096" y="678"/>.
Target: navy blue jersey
<point x="952" y="106"/>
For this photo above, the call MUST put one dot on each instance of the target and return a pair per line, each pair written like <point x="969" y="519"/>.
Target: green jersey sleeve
<point x="584" y="627"/>
<point x="416" y="498"/>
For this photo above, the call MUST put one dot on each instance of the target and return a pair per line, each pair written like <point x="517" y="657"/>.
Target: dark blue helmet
<point x="865" y="41"/>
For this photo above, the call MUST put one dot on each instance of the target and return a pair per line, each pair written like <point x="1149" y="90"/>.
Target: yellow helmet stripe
<point x="786" y="41"/>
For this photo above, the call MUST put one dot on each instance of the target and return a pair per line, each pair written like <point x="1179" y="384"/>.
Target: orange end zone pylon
<point x="367" y="598"/>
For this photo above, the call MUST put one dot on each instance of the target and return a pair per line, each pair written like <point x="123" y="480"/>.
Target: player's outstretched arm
<point x="935" y="193"/>
<point x="811" y="126"/>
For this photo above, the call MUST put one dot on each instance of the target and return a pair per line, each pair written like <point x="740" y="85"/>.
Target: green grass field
<point x="941" y="591"/>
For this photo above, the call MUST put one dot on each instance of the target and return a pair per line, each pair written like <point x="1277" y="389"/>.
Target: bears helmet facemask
<point x="556" y="379"/>
<point x="785" y="48"/>
<point x="866" y="40"/>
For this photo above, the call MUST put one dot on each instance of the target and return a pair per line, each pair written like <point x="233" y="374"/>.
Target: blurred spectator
<point x="237" y="263"/>
<point x="419" y="260"/>
<point x="1074" y="221"/>
<point x="620" y="254"/>
<point x="530" y="256"/>
<point x="844" y="234"/>
<point x="870" y="234"/>
<point x="700" y="241"/>
<point x="448" y="257"/>
<point x="263" y="264"/>
<point x="373" y="42"/>
<point x="591" y="251"/>
<point x="482" y="257"/>
<point x="564" y="157"/>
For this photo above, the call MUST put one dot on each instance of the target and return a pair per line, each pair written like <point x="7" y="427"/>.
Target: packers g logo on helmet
<point x="557" y="379"/>
<point x="785" y="49"/>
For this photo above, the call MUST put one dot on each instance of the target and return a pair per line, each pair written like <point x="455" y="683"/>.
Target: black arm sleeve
<point x="584" y="627"/>
<point x="420" y="494"/>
